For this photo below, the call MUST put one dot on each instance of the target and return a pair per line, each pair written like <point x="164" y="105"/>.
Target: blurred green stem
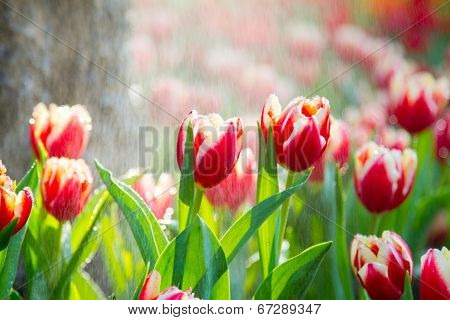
<point x="194" y="209"/>
<point x="375" y="223"/>
<point x="343" y="260"/>
<point x="284" y="213"/>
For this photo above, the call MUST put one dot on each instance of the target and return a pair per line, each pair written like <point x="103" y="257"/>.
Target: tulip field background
<point x="124" y="192"/>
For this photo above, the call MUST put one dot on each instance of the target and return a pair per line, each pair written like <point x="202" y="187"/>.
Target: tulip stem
<point x="195" y="208"/>
<point x="375" y="223"/>
<point x="284" y="213"/>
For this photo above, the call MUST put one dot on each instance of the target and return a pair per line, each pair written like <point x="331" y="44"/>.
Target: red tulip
<point x="383" y="178"/>
<point x="159" y="196"/>
<point x="64" y="130"/>
<point x="393" y="139"/>
<point x="300" y="131"/>
<point x="435" y="275"/>
<point x="217" y="144"/>
<point x="238" y="187"/>
<point x="151" y="290"/>
<point x="417" y="100"/>
<point x="13" y="205"/>
<point x="442" y="138"/>
<point x="66" y="186"/>
<point x="380" y="264"/>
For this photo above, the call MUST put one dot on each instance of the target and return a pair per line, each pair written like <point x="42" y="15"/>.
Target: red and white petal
<point x="24" y="203"/>
<point x="374" y="278"/>
<point x="151" y="288"/>
<point x="270" y="113"/>
<point x="435" y="275"/>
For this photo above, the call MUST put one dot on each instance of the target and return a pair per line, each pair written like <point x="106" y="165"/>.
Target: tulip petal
<point x="374" y="278"/>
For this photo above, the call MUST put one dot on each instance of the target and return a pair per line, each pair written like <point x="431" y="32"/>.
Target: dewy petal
<point x="151" y="288"/>
<point x="435" y="275"/>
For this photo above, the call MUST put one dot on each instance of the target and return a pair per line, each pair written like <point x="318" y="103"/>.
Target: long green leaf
<point x="342" y="257"/>
<point x="186" y="192"/>
<point x="145" y="227"/>
<point x="195" y="260"/>
<point x="290" y="280"/>
<point x="82" y="287"/>
<point x="9" y="269"/>
<point x="267" y="186"/>
<point x="239" y="233"/>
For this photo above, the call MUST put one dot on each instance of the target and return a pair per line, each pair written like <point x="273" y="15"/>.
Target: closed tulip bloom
<point x="63" y="130"/>
<point x="158" y="196"/>
<point x="383" y="178"/>
<point x="442" y="138"/>
<point x="238" y="187"/>
<point x="13" y="205"/>
<point x="435" y="275"/>
<point x="217" y="145"/>
<point x="417" y="100"/>
<point x="300" y="131"/>
<point x="380" y="264"/>
<point x="66" y="186"/>
<point x="151" y="290"/>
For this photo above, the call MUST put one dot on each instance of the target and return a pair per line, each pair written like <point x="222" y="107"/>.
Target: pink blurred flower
<point x="442" y="138"/>
<point x="158" y="196"/>
<point x="238" y="187"/>
<point x="393" y="138"/>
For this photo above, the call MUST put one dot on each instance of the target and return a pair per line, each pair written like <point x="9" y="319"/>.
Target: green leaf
<point x="407" y="291"/>
<point x="14" y="295"/>
<point x="342" y="257"/>
<point x="290" y="280"/>
<point x="267" y="186"/>
<point x="11" y="259"/>
<point x="186" y="192"/>
<point x="146" y="230"/>
<point x="6" y="232"/>
<point x="82" y="287"/>
<point x="84" y="247"/>
<point x="239" y="233"/>
<point x="195" y="260"/>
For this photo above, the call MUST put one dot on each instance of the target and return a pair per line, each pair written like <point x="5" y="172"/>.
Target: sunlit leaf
<point x="239" y="233"/>
<point x="195" y="260"/>
<point x="291" y="279"/>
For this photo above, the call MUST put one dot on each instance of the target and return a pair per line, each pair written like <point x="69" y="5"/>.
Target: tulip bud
<point x="151" y="290"/>
<point x="393" y="139"/>
<point x="13" y="205"/>
<point x="66" y="186"/>
<point x="241" y="179"/>
<point x="442" y="138"/>
<point x="64" y="130"/>
<point x="417" y="100"/>
<point x="383" y="178"/>
<point x="435" y="275"/>
<point x="380" y="264"/>
<point x="159" y="196"/>
<point x="217" y="144"/>
<point x="300" y="131"/>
